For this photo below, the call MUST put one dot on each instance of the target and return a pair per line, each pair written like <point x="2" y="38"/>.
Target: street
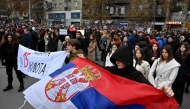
<point x="13" y="99"/>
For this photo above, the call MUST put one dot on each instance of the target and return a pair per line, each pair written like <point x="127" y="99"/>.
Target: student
<point x="166" y="68"/>
<point x="183" y="58"/>
<point x="123" y="61"/>
<point x="9" y="56"/>
<point x="73" y="47"/>
<point x="113" y="49"/>
<point x="153" y="54"/>
<point x="52" y="43"/>
<point x="140" y="64"/>
<point x="92" y="47"/>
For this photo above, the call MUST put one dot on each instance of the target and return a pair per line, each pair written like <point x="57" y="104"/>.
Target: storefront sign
<point x="173" y="23"/>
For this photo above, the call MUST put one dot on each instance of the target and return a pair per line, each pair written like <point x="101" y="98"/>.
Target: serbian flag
<point x="82" y="84"/>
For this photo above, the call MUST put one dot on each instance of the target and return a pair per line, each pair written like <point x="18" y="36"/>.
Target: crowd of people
<point x="162" y="58"/>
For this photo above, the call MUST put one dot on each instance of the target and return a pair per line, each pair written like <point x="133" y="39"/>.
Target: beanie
<point x="67" y="38"/>
<point x="19" y="30"/>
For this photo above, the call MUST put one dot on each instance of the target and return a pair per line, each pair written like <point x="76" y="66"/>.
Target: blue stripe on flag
<point x="59" y="71"/>
<point x="92" y="99"/>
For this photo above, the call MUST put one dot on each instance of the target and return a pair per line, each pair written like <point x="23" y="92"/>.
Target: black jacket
<point x="83" y="44"/>
<point x="124" y="54"/>
<point x="22" y="40"/>
<point x="15" y="53"/>
<point x="41" y="45"/>
<point x="184" y="69"/>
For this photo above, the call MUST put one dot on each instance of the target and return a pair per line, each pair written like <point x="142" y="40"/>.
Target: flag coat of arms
<point x="82" y="84"/>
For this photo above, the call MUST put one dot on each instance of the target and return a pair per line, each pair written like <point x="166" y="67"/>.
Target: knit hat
<point x="67" y="38"/>
<point x="19" y="30"/>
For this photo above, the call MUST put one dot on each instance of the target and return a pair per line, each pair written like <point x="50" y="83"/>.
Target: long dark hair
<point x="52" y="40"/>
<point x="139" y="61"/>
<point x="5" y="39"/>
<point x="169" y="49"/>
<point x="157" y="51"/>
<point x="184" y="55"/>
<point x="111" y="48"/>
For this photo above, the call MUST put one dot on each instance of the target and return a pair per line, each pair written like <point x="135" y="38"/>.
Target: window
<point x="111" y="10"/>
<point x="54" y="5"/>
<point x="76" y="4"/>
<point x="60" y="5"/>
<point x="122" y="11"/>
<point x="159" y="10"/>
<point x="117" y="10"/>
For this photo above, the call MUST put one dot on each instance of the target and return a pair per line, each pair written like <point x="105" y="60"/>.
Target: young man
<point x="29" y="38"/>
<point x="82" y="42"/>
<point x="73" y="47"/>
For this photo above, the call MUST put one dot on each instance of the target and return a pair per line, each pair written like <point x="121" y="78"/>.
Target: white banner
<point x="39" y="64"/>
<point x="62" y="32"/>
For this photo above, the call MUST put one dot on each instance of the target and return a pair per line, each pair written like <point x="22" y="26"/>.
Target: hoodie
<point x="124" y="54"/>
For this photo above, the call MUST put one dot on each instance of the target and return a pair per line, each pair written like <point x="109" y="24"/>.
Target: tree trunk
<point x="184" y="7"/>
<point x="167" y="16"/>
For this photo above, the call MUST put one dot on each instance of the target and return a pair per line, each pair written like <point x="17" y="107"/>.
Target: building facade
<point x="119" y="10"/>
<point x="64" y="12"/>
<point x="175" y="21"/>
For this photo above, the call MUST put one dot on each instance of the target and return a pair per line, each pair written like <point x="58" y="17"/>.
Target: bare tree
<point x="93" y="10"/>
<point x="184" y="8"/>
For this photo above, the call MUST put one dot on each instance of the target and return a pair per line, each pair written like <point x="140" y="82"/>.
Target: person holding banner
<point x="9" y="56"/>
<point x="73" y="47"/>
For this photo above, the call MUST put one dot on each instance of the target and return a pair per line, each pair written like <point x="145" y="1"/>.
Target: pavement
<point x="13" y="99"/>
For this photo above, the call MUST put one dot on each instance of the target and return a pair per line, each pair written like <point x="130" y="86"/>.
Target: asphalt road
<point x="13" y="99"/>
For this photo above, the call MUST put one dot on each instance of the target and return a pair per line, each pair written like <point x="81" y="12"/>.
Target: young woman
<point x="113" y="49"/>
<point x="153" y="54"/>
<point x="140" y="64"/>
<point x="135" y="48"/>
<point x="9" y="56"/>
<point x="166" y="68"/>
<point x="92" y="47"/>
<point x="183" y="58"/>
<point x="52" y="43"/>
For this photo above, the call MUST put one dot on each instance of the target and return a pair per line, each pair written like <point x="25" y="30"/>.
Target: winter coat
<point x="83" y="44"/>
<point x="144" y="68"/>
<point x="175" y="45"/>
<point x="91" y="50"/>
<point x="30" y="40"/>
<point x="184" y="69"/>
<point x="103" y="41"/>
<point x="41" y="45"/>
<point x="15" y="53"/>
<point x="166" y="73"/>
<point x="124" y="54"/>
<point x="150" y="55"/>
<point x="161" y="41"/>
<point x="52" y="47"/>
<point x="46" y="37"/>
<point x="108" y="63"/>
<point x="74" y="55"/>
<point x="22" y="40"/>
